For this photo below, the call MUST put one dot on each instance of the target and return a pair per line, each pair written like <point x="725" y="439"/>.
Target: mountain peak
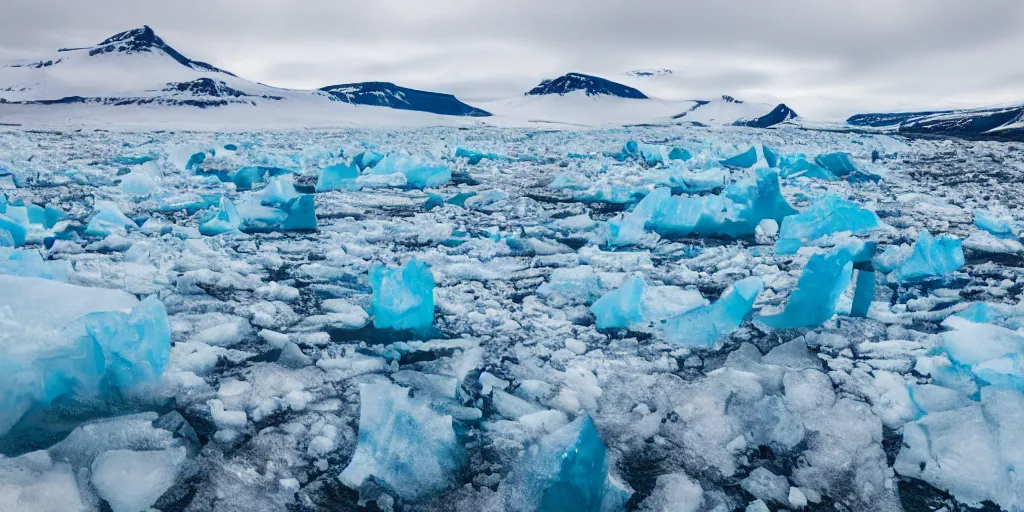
<point x="145" y="40"/>
<point x="591" y="85"/>
<point x="387" y="94"/>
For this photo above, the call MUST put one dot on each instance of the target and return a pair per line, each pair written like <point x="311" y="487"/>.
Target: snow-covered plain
<point x="282" y="392"/>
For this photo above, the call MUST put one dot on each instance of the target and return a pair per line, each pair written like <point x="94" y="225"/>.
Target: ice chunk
<point x="736" y="212"/>
<point x="839" y="164"/>
<point x="565" y="471"/>
<point x="108" y="220"/>
<point x="674" y="492"/>
<point x="367" y="159"/>
<point x="578" y="285"/>
<point x="29" y="263"/>
<point x="621" y="308"/>
<point x="139" y="184"/>
<point x="403" y="298"/>
<point x="771" y="157"/>
<point x="419" y="171"/>
<point x="997" y="225"/>
<point x="132" y="481"/>
<point x="403" y="443"/>
<point x="828" y="215"/>
<point x="337" y="177"/>
<point x="824" y="279"/>
<point x="963" y="451"/>
<point x="224" y="219"/>
<point x="744" y="160"/>
<point x="795" y="166"/>
<point x="931" y="257"/>
<point x="767" y="486"/>
<point x="279" y="207"/>
<point x="64" y="340"/>
<point x="703" y="326"/>
<point x="475" y="157"/>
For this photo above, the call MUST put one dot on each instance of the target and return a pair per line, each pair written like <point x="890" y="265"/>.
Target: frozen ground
<point x="554" y="346"/>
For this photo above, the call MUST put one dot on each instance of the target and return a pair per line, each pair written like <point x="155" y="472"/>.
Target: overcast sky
<point x="824" y="58"/>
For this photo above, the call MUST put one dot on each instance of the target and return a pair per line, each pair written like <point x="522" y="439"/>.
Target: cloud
<point x="823" y="58"/>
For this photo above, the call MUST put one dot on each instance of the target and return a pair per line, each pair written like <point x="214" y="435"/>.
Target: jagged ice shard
<point x="824" y="278"/>
<point x="403" y="298"/>
<point x="566" y="471"/>
<point x="828" y="215"/>
<point x="62" y="340"/>
<point x="931" y="257"/>
<point x="403" y="443"/>
<point x="703" y="326"/>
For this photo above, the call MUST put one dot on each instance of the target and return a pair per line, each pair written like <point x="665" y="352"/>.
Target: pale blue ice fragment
<point x="279" y="191"/>
<point x="796" y="165"/>
<point x="1000" y="226"/>
<point x="825" y="277"/>
<point x="475" y="157"/>
<point x="403" y="298"/>
<point x="195" y="161"/>
<point x="705" y="325"/>
<point x="3" y="202"/>
<point x="734" y="213"/>
<point x="622" y="307"/>
<point x="566" y="471"/>
<point x="367" y="159"/>
<point x="108" y="220"/>
<point x="744" y="160"/>
<point x="613" y="194"/>
<point x="300" y="214"/>
<point x="101" y="354"/>
<point x="771" y="157"/>
<point x="52" y="215"/>
<point x="339" y="176"/>
<point x="419" y="172"/>
<point x="864" y="293"/>
<point x="980" y="313"/>
<point x="679" y="154"/>
<point x="568" y="181"/>
<point x="838" y="163"/>
<point x="403" y="444"/>
<point x="630" y="150"/>
<point x="220" y="220"/>
<point x="828" y="215"/>
<point x="652" y="154"/>
<point x="931" y="257"/>
<point x="29" y="263"/>
<point x="14" y="230"/>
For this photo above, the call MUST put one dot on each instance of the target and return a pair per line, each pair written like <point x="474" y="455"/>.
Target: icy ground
<point x="487" y="320"/>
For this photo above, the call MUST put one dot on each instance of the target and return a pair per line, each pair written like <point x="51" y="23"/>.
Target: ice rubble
<point x="127" y="462"/>
<point x="556" y="317"/>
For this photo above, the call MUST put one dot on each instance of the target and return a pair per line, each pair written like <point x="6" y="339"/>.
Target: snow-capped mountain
<point x="591" y="85"/>
<point x="137" y="67"/>
<point x="386" y="94"/>
<point x="994" y="122"/>
<point x="729" y="110"/>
